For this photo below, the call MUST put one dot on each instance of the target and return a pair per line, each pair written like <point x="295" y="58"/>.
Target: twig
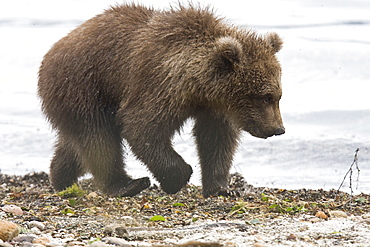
<point x="350" y="171"/>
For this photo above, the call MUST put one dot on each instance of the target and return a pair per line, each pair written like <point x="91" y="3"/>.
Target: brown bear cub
<point x="137" y="74"/>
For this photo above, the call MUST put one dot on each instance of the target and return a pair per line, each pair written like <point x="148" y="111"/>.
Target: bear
<point x="137" y="74"/>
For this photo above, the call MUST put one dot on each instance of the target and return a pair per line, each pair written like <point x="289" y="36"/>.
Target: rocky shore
<point x="32" y="214"/>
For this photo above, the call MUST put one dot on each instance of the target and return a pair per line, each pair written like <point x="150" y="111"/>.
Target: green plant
<point x="287" y="208"/>
<point x="361" y="200"/>
<point x="264" y="197"/>
<point x="72" y="202"/>
<point x="94" y="240"/>
<point x="72" y="191"/>
<point x="157" y="218"/>
<point x="238" y="208"/>
<point x="67" y="210"/>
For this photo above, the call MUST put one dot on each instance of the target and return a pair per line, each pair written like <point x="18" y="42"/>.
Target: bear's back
<point x="78" y="76"/>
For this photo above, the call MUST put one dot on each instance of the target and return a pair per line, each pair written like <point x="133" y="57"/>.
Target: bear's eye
<point x="267" y="99"/>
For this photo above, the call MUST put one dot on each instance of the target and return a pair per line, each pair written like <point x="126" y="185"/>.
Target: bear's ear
<point x="228" y="52"/>
<point x="274" y="40"/>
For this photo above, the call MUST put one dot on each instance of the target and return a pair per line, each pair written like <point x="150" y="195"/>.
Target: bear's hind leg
<point x="103" y="158"/>
<point x="65" y="167"/>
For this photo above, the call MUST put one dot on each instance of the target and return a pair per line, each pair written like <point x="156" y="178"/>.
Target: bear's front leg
<point x="155" y="150"/>
<point x="216" y="140"/>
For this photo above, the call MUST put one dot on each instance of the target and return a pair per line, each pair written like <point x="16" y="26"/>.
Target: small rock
<point x="321" y="215"/>
<point x="54" y="244"/>
<point x="15" y="210"/>
<point x="258" y="244"/>
<point x="292" y="237"/>
<point x="28" y="244"/>
<point x="129" y="221"/>
<point x="109" y="229"/>
<point x="303" y="228"/>
<point x="41" y="241"/>
<point x="314" y="220"/>
<point x="117" y="241"/>
<point x="356" y="218"/>
<point x="306" y="238"/>
<point x="115" y="229"/>
<point x="22" y="239"/>
<point x="367" y="221"/>
<point x="121" y="231"/>
<point x="338" y="214"/>
<point x="92" y="195"/>
<point x="8" y="230"/>
<point x="68" y="236"/>
<point x="36" y="224"/>
<point x="6" y="244"/>
<point x="76" y="243"/>
<point x="198" y="244"/>
<point x="98" y="244"/>
<point x="366" y="216"/>
<point x="35" y="230"/>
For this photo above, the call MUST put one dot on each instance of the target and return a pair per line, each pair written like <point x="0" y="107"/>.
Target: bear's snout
<point x="279" y="131"/>
<point x="259" y="132"/>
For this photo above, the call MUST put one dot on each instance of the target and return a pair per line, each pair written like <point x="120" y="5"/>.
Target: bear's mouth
<point x="260" y="135"/>
<point x="257" y="132"/>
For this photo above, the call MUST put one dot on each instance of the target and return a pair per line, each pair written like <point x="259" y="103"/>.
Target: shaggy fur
<point x="137" y="74"/>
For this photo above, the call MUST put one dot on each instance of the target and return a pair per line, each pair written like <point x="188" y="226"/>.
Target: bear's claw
<point x="135" y="186"/>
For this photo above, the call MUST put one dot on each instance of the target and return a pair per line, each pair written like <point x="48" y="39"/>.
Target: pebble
<point x="116" y="241"/>
<point x="306" y="238"/>
<point x="356" y="218"/>
<point x="41" y="241"/>
<point x="92" y="195"/>
<point x="15" y="210"/>
<point x="8" y="230"/>
<point x="321" y="215"/>
<point x="366" y="216"/>
<point x="338" y="214"/>
<point x="23" y="239"/>
<point x="35" y="230"/>
<point x="292" y="237"/>
<point x="27" y="244"/>
<point x="128" y="220"/>
<point x="76" y="243"/>
<point x="314" y="220"/>
<point x="303" y="228"/>
<point x="198" y="244"/>
<point x="98" y="244"/>
<point x="37" y="224"/>
<point x="367" y="221"/>
<point x="2" y="244"/>
<point x="115" y="229"/>
<point x="260" y="245"/>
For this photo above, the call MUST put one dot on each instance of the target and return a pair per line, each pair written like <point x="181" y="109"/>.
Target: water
<point x="325" y="104"/>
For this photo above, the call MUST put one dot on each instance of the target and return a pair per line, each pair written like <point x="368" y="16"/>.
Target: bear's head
<point x="248" y="76"/>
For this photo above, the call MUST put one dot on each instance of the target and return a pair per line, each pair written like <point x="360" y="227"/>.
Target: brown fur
<point x="137" y="74"/>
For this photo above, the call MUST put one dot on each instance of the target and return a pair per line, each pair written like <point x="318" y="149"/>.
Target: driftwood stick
<point x="350" y="172"/>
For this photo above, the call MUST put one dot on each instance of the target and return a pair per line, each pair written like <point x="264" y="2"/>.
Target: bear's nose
<point x="279" y="131"/>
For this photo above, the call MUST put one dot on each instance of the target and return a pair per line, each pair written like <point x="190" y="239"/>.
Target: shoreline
<point x="258" y="217"/>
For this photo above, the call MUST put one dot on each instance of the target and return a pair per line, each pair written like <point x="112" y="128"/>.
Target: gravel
<point x="252" y="217"/>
